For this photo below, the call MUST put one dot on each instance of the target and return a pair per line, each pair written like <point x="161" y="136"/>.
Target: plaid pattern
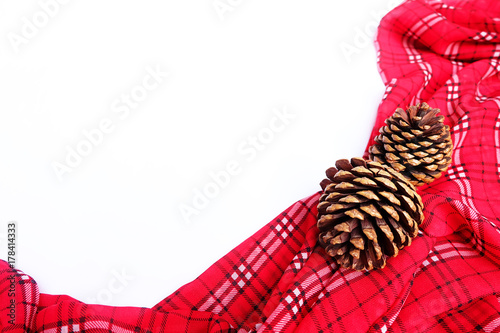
<point x="443" y="52"/>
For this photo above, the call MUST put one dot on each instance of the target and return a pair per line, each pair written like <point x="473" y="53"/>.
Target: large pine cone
<point x="368" y="211"/>
<point x="414" y="142"/>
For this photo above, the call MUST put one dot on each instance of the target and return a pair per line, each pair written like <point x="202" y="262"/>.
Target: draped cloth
<point x="445" y="53"/>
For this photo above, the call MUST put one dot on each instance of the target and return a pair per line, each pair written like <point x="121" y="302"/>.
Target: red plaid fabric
<point x="445" y="53"/>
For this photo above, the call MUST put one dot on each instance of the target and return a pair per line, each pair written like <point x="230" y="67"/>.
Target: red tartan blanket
<point x="446" y="53"/>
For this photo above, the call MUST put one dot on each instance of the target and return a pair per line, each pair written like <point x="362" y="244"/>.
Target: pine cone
<point x="414" y="142"/>
<point x="368" y="211"/>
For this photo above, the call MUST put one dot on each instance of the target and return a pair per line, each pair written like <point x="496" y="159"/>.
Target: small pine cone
<point x="368" y="211"/>
<point x="414" y="142"/>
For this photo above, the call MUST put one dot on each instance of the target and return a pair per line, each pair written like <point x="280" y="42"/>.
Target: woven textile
<point x="445" y="53"/>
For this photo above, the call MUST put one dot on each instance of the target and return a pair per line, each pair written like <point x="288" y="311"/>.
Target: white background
<point x="118" y="211"/>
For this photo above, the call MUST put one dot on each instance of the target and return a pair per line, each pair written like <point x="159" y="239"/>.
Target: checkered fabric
<point x="445" y="53"/>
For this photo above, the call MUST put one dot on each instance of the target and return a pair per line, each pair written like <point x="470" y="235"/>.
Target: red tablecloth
<point x="445" y="53"/>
